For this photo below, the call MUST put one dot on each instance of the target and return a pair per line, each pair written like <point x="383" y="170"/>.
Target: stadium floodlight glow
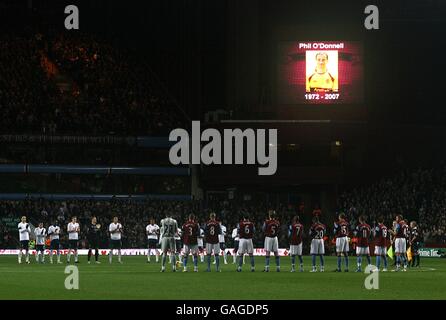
<point x="188" y="150"/>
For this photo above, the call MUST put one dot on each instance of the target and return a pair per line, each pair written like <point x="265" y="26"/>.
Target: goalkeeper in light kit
<point x="24" y="231"/>
<point x="169" y="229"/>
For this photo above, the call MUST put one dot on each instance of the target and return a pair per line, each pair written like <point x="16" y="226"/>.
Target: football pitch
<point x="137" y="279"/>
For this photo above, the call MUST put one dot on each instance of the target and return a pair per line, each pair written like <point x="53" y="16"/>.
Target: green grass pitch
<point x="136" y="279"/>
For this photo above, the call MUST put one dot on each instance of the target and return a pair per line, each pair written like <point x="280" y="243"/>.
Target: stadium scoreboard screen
<point x="320" y="72"/>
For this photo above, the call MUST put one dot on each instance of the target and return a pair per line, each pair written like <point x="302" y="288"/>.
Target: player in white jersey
<point x="236" y="242"/>
<point x="115" y="230"/>
<point x="222" y="241"/>
<point x="73" y="230"/>
<point x="169" y="229"/>
<point x="201" y="245"/>
<point x="24" y="231"/>
<point x="40" y="233"/>
<point x="152" y="231"/>
<point x="54" y="232"/>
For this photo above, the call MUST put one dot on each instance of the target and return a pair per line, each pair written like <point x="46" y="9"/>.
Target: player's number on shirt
<point x="190" y="231"/>
<point x="246" y="229"/>
<point x="319" y="234"/>
<point x="384" y="231"/>
<point x="344" y="230"/>
<point x="212" y="231"/>
<point x="273" y="230"/>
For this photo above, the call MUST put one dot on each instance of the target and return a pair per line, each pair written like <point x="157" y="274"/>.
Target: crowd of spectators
<point x="106" y="90"/>
<point x="418" y="195"/>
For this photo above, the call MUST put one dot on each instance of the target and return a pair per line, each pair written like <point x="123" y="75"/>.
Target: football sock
<point x="359" y="259"/>
<point x="301" y="260"/>
<point x="252" y="261"/>
<point x="378" y="261"/>
<point x="278" y="261"/>
<point x="293" y="260"/>
<point x="385" y="261"/>
<point x="119" y="255"/>
<point x="163" y="260"/>
<point x="89" y="254"/>
<point x="313" y="259"/>
<point x="209" y="261"/>
<point x="96" y="254"/>
<point x="322" y="260"/>
<point x="369" y="260"/>
<point x="195" y="261"/>
<point x="185" y="261"/>
<point x="346" y="261"/>
<point x="240" y="261"/>
<point x="267" y="261"/>
<point x="339" y="262"/>
<point x="110" y="256"/>
<point x="217" y="262"/>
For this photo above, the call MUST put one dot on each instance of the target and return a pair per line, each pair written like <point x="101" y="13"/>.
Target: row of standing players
<point x="168" y="235"/>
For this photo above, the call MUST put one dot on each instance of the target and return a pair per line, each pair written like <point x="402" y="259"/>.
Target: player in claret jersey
<point x="381" y="236"/>
<point x="401" y="232"/>
<point x="191" y="232"/>
<point x="362" y="232"/>
<point x="271" y="229"/>
<point x="212" y="231"/>
<point x="341" y="230"/>
<point x="317" y="233"/>
<point x="246" y="232"/>
<point x="296" y="231"/>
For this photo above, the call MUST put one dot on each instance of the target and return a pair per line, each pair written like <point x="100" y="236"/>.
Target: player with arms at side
<point x="414" y="242"/>
<point x="362" y="232"/>
<point x="200" y="241"/>
<point x="93" y="239"/>
<point x="40" y="233"/>
<point x="24" y="231"/>
<point x="271" y="228"/>
<point x="246" y="231"/>
<point x="115" y="229"/>
<point x="381" y="236"/>
<point x="341" y="231"/>
<point x="222" y="240"/>
<point x="73" y="230"/>
<point x="317" y="233"/>
<point x="236" y="239"/>
<point x="54" y="233"/>
<point x="296" y="231"/>
<point x="400" y="231"/>
<point x="152" y="231"/>
<point x="191" y="231"/>
<point x="169" y="227"/>
<point x="212" y="231"/>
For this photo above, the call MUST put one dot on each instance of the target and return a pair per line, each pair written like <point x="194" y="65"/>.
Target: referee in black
<point x="93" y="239"/>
